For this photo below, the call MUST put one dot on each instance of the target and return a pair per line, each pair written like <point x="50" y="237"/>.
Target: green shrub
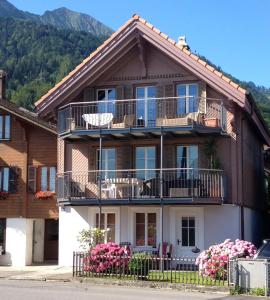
<point x="139" y="264"/>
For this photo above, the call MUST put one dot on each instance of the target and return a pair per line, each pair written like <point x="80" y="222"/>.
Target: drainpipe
<point x="161" y="196"/>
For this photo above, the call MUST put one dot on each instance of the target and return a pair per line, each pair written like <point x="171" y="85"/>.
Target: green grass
<point x="186" y="277"/>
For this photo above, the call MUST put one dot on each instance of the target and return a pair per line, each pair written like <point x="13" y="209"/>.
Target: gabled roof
<point x="177" y="52"/>
<point x="137" y="18"/>
<point x="26" y="115"/>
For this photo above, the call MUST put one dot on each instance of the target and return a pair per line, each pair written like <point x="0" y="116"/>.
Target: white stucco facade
<point x="214" y="224"/>
<point x="19" y="249"/>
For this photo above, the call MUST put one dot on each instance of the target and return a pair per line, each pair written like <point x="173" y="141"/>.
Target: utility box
<point x="250" y="274"/>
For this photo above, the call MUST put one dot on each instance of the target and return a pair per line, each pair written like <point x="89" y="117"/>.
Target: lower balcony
<point x="142" y="186"/>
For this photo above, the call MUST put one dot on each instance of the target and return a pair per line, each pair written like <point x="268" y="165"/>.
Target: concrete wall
<point x="71" y="222"/>
<point x="220" y="223"/>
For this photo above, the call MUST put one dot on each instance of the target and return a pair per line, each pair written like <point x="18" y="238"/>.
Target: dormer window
<point x="4" y="127"/>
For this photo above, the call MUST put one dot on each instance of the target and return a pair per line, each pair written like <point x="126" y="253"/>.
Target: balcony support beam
<point x="100" y="180"/>
<point x="161" y="195"/>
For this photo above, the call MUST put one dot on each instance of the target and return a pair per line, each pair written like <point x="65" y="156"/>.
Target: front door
<point x="189" y="234"/>
<point x="51" y="240"/>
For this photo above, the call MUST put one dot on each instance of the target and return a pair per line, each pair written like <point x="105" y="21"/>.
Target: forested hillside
<point x="37" y="56"/>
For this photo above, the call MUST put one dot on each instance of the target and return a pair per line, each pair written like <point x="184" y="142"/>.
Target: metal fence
<point x="137" y="113"/>
<point x="149" y="268"/>
<point x="143" y="184"/>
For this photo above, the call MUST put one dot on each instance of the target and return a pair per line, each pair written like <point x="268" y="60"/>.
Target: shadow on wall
<point x="5" y="259"/>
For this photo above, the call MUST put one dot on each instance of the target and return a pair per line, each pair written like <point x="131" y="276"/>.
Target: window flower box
<point x="4" y="195"/>
<point x="45" y="195"/>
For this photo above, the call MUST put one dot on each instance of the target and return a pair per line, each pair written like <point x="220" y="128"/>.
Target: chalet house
<point x="28" y="219"/>
<point x="155" y="145"/>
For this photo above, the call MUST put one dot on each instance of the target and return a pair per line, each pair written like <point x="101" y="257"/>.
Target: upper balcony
<point x="142" y="117"/>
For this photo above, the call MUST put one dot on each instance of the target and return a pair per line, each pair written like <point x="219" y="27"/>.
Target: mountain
<point x="61" y="18"/>
<point x="37" y="56"/>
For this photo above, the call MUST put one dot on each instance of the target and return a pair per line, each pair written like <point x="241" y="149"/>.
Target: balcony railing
<point x="142" y="184"/>
<point x="142" y="113"/>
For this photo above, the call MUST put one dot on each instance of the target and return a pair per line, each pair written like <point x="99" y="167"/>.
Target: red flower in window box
<point x="3" y="195"/>
<point x="46" y="195"/>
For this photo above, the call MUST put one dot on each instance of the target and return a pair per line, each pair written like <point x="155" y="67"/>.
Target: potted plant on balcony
<point x="3" y="195"/>
<point x="45" y="195"/>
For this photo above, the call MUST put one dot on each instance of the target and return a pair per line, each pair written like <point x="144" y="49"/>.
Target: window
<point x="146" y="227"/>
<point x="108" y="162"/>
<point x="145" y="162"/>
<point x="4" y="127"/>
<point x="188" y="98"/>
<point x="188" y="231"/>
<point x="107" y="221"/>
<point x="8" y="179"/>
<point x="107" y="100"/>
<point x="2" y="235"/>
<point x="4" y="179"/>
<point x="186" y="159"/>
<point x="47" y="179"/>
<point x="146" y="105"/>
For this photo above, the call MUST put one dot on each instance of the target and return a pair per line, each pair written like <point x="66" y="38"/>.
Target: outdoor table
<point x="98" y="119"/>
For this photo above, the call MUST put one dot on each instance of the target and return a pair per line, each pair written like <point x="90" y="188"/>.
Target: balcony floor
<point x="152" y="132"/>
<point x="140" y="201"/>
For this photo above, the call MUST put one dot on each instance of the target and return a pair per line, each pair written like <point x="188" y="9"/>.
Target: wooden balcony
<point x="142" y="186"/>
<point x="142" y="117"/>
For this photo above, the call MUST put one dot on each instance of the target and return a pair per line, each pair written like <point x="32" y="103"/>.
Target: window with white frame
<point x="4" y="179"/>
<point x="107" y="221"/>
<point x="188" y="231"/>
<point x="188" y="98"/>
<point x="47" y="178"/>
<point x="106" y="98"/>
<point x="4" y="127"/>
<point x="146" y="229"/>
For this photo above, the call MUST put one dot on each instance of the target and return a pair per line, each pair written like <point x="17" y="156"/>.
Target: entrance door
<point x="51" y="240"/>
<point x="189" y="234"/>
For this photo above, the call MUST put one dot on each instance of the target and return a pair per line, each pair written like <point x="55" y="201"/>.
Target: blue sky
<point x="234" y="34"/>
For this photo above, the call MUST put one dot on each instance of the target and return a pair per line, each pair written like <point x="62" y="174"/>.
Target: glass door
<point x="106" y="98"/>
<point x="188" y="98"/>
<point x="146" y="106"/>
<point x="108" y="163"/>
<point x="145" y="162"/>
<point x="187" y="161"/>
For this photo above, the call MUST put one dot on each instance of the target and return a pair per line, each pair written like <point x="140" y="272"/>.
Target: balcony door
<point x="187" y="160"/>
<point x="145" y="162"/>
<point x="108" y="164"/>
<point x="188" y="98"/>
<point x="146" y="106"/>
<point x="106" y="100"/>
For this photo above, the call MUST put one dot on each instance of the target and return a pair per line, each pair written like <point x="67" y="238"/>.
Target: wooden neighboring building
<point x="28" y="225"/>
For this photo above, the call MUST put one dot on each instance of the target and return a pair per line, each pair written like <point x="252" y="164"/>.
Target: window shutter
<point x="32" y="179"/>
<point x="161" y="103"/>
<point x="202" y="99"/>
<point x="13" y="178"/>
<point x="89" y="94"/>
<point x="170" y="107"/>
<point x="128" y="94"/>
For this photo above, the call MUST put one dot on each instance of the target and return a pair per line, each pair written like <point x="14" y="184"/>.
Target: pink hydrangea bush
<point x="214" y="261"/>
<point x="108" y="257"/>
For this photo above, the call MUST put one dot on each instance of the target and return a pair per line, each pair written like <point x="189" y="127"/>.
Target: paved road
<point x="33" y="290"/>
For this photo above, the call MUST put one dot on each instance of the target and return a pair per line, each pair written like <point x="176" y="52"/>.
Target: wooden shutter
<point x="170" y="107"/>
<point x="130" y="106"/>
<point x="32" y="179"/>
<point x="89" y="94"/>
<point x="202" y="99"/>
<point x="120" y="106"/>
<point x="161" y="103"/>
<point x="13" y="179"/>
